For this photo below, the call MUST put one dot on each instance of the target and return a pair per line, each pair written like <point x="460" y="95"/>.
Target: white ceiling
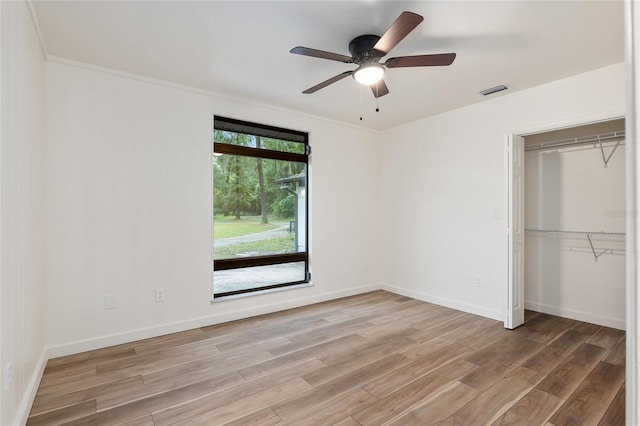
<point x="241" y="48"/>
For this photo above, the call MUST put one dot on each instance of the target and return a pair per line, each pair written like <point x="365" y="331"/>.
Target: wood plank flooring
<point x="372" y="359"/>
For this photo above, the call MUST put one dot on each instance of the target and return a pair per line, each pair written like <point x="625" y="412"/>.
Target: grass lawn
<point x="256" y="248"/>
<point x="228" y="226"/>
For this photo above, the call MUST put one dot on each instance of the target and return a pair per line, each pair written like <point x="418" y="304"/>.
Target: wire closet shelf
<point x="610" y="140"/>
<point x="598" y="243"/>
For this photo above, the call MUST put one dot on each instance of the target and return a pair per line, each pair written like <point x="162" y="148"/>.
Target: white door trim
<point x="632" y="52"/>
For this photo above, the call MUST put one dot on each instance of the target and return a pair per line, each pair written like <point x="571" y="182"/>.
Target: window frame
<point x="230" y="149"/>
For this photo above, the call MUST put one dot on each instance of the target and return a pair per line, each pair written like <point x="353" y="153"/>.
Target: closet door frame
<point x="632" y="90"/>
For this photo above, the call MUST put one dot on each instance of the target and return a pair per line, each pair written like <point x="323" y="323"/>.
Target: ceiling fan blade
<point x="327" y="82"/>
<point x="379" y="89"/>
<point x="421" y="60"/>
<point x="306" y="51"/>
<point x="400" y="28"/>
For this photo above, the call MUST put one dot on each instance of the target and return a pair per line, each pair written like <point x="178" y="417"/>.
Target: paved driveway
<point x="282" y="231"/>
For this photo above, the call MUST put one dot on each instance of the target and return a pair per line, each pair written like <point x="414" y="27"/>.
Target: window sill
<point x="260" y="292"/>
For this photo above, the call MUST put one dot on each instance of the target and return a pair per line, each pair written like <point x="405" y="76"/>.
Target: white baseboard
<point x="160" y="330"/>
<point x="618" y="323"/>
<point x="31" y="389"/>
<point x="453" y="304"/>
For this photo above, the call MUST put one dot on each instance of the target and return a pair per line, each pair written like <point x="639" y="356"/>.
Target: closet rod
<point x="603" y="137"/>
<point x="558" y="232"/>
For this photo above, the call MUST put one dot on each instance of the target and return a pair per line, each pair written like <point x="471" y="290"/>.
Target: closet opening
<point x="567" y="225"/>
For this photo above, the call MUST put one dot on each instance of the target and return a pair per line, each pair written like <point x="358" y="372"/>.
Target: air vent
<point x="493" y="90"/>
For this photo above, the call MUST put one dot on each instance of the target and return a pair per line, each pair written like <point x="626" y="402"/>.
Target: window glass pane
<point x="252" y="141"/>
<point x="232" y="280"/>
<point x="260" y="204"/>
<point x="259" y="207"/>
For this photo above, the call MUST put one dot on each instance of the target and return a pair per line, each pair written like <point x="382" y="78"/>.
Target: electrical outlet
<point x="109" y="302"/>
<point x="478" y="281"/>
<point x="8" y="381"/>
<point x="160" y="297"/>
<point x="345" y="269"/>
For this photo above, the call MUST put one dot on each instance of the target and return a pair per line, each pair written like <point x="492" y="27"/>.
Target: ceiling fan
<point x="367" y="50"/>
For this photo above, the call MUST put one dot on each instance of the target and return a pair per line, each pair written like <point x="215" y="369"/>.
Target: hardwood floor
<point x="371" y="359"/>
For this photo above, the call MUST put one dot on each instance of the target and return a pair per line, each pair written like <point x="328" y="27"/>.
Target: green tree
<point x="248" y="185"/>
<point x="263" y="196"/>
<point x="232" y="178"/>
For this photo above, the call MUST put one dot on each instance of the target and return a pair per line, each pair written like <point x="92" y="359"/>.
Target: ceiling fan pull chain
<point x="378" y="97"/>
<point x="360" y="102"/>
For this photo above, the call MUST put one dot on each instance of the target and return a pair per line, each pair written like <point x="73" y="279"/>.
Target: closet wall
<point x="570" y="189"/>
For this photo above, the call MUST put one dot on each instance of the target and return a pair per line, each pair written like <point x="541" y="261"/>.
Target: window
<point x="260" y="207"/>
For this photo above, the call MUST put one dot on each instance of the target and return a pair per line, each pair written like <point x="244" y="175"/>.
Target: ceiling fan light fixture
<point x="369" y="74"/>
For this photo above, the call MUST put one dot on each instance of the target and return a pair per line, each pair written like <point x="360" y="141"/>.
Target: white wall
<point x="21" y="205"/>
<point x="443" y="188"/>
<point x="128" y="202"/>
<point x="570" y="189"/>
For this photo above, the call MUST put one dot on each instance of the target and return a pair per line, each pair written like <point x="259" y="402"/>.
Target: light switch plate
<point x="109" y="302"/>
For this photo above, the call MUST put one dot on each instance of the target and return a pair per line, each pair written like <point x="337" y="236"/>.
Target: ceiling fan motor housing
<point x="361" y="48"/>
